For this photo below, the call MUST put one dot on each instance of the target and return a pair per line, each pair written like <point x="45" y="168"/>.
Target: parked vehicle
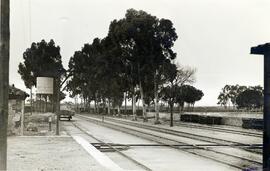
<point x="66" y="114"/>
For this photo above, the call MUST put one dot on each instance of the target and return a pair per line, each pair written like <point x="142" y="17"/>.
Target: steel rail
<point x="181" y="133"/>
<point x="253" y="134"/>
<point x="112" y="147"/>
<point x="184" y="145"/>
<point x="160" y="140"/>
<point x="215" y="128"/>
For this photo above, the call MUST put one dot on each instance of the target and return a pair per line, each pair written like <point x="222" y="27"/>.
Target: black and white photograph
<point x="134" y="85"/>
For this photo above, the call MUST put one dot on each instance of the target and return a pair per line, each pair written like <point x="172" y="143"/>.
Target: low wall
<point x="254" y="122"/>
<point x="209" y="120"/>
<point x="232" y="121"/>
<point x="248" y="123"/>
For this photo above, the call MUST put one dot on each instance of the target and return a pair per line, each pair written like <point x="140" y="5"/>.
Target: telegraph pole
<point x="58" y="106"/>
<point x="57" y="102"/>
<point x="265" y="50"/>
<point x="4" y="80"/>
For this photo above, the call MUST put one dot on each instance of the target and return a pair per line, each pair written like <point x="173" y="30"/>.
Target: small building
<point x="15" y="104"/>
<point x="15" y="98"/>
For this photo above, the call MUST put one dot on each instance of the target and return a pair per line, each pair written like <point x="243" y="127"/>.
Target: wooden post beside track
<point x="265" y="50"/>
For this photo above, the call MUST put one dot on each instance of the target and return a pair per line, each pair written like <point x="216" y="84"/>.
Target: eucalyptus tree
<point x="250" y="99"/>
<point x="121" y="40"/>
<point x="257" y="88"/>
<point x="234" y="91"/>
<point x="42" y="59"/>
<point x="98" y="73"/>
<point x="177" y="76"/>
<point x="168" y="92"/>
<point x="95" y="84"/>
<point x="224" y="96"/>
<point x="229" y="94"/>
<point x="146" y="42"/>
<point x="78" y="65"/>
<point x="111" y="72"/>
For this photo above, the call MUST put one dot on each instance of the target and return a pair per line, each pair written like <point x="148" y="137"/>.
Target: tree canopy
<point x="241" y="96"/>
<point x="135" y="58"/>
<point x="42" y="59"/>
<point x="250" y="99"/>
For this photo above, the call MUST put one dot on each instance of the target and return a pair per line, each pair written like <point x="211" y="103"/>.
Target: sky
<point x="213" y="36"/>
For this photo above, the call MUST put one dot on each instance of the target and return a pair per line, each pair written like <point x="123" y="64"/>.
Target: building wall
<point x="14" y="113"/>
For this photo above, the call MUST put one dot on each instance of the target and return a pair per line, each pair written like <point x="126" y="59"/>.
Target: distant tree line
<point x="241" y="97"/>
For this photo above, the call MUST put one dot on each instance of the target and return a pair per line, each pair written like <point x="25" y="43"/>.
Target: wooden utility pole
<point x="57" y="102"/>
<point x="265" y="50"/>
<point x="4" y="80"/>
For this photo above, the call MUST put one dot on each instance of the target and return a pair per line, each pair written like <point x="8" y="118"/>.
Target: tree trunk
<point x="95" y="107"/>
<point x="104" y="106"/>
<point x="77" y="106"/>
<point x="142" y="94"/>
<point x="89" y="104"/>
<point x="109" y="107"/>
<point x="46" y="103"/>
<point x="96" y="104"/>
<point x="171" y="119"/>
<point x="84" y="104"/>
<point x="31" y="101"/>
<point x="81" y="104"/>
<point x="179" y="109"/>
<point x="40" y="104"/>
<point x="118" y="110"/>
<point x="134" y="105"/>
<point x="125" y="96"/>
<point x="156" y="100"/>
<point x="75" y="102"/>
<point x="143" y="103"/>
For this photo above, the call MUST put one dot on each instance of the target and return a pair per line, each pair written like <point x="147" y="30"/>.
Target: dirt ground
<point x="37" y="124"/>
<point x="40" y="150"/>
<point x="40" y="153"/>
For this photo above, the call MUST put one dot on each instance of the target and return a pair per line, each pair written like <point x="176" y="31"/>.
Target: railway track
<point x="204" y="151"/>
<point x="218" y="129"/>
<point x="227" y="130"/>
<point x="247" y="147"/>
<point x="112" y="147"/>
